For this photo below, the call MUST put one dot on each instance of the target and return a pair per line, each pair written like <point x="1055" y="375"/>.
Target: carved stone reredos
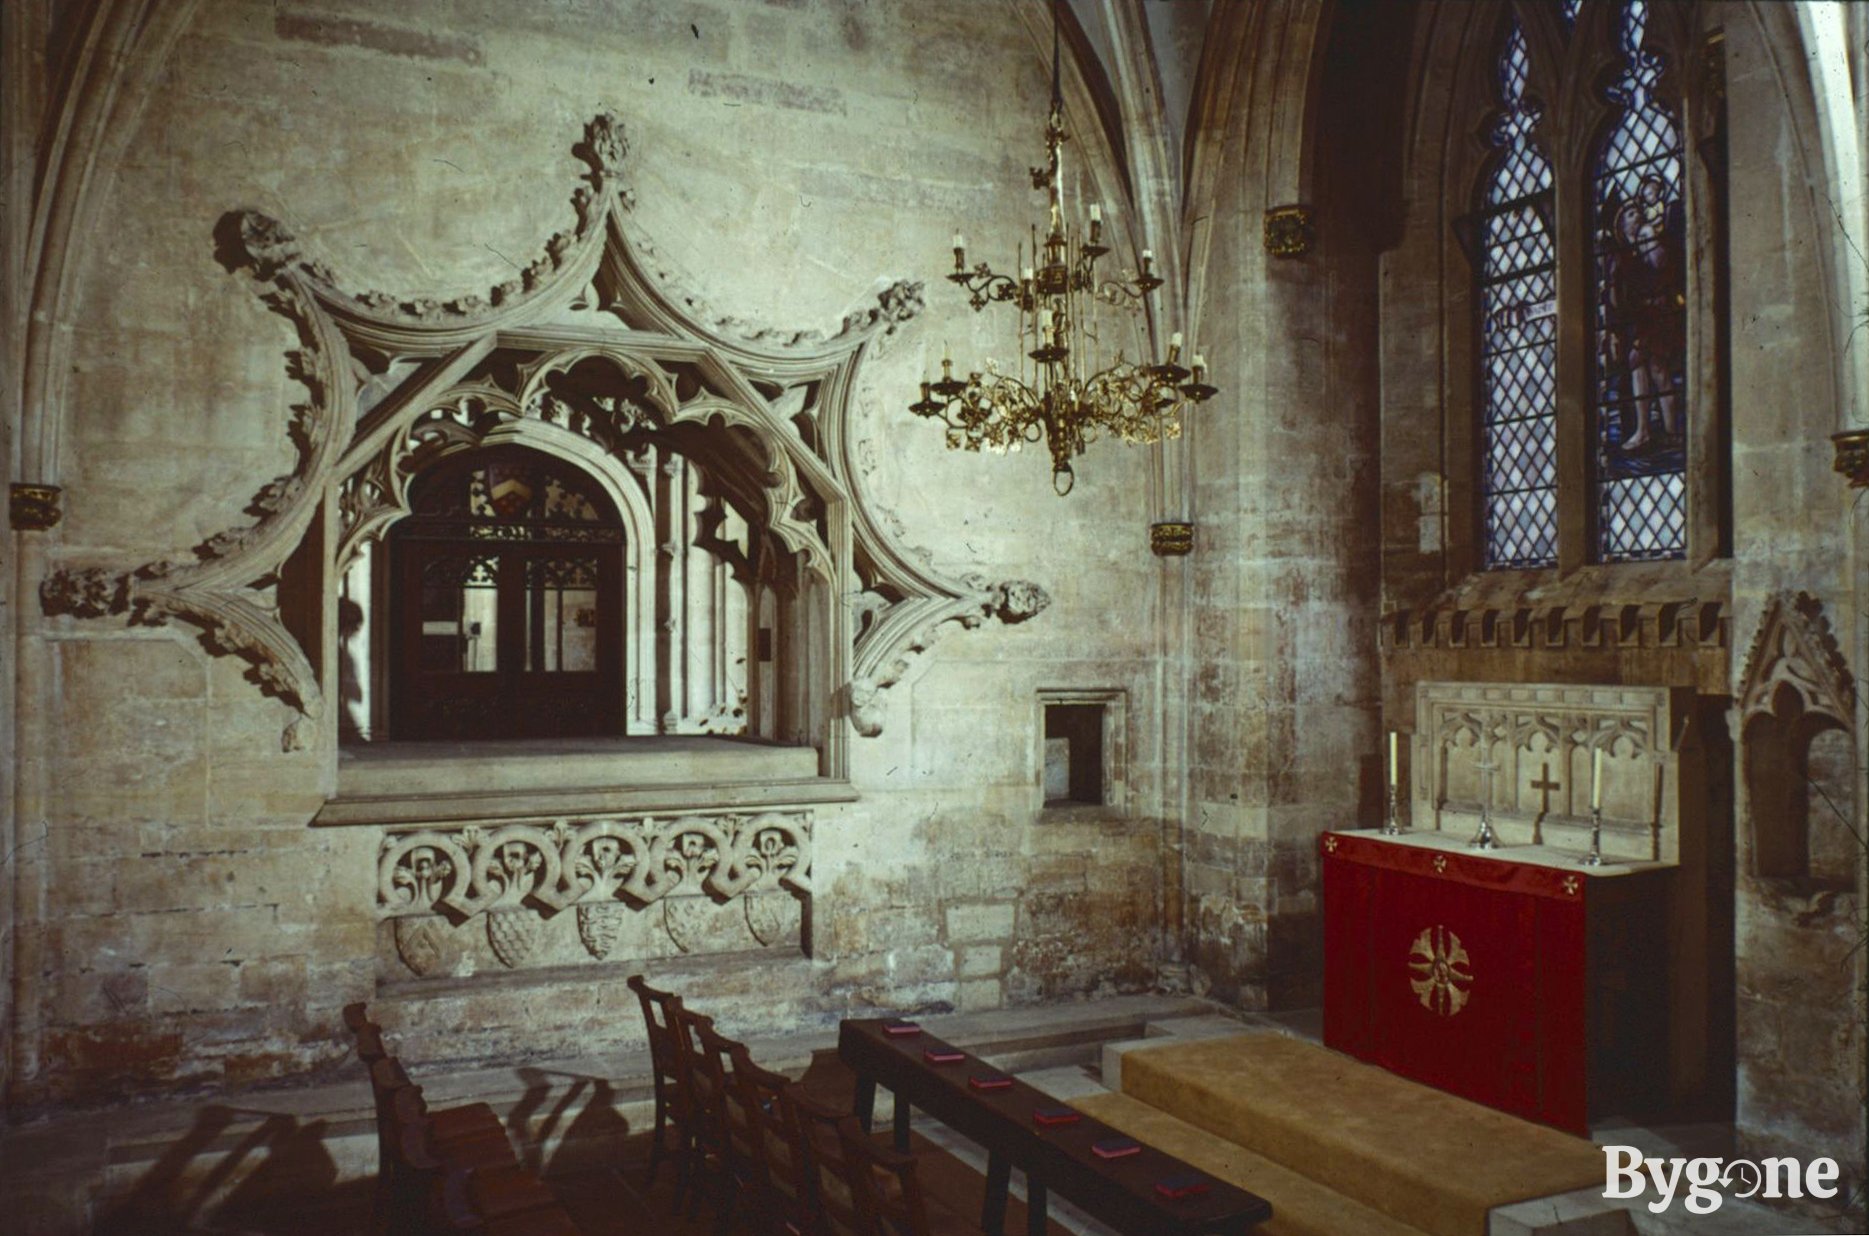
<point x="899" y="598"/>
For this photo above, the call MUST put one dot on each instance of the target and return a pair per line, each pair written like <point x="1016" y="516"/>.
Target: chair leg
<point x="658" y="1147"/>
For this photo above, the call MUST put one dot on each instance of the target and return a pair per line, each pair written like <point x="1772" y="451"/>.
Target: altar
<point x="1520" y="975"/>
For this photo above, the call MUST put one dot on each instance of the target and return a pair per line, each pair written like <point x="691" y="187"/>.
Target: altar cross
<point x="1545" y="786"/>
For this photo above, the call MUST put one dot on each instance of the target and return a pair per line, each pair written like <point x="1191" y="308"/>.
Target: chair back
<point x="659" y="1012"/>
<point x="734" y="1133"/>
<point x="754" y="1096"/>
<point x="699" y="1081"/>
<point x="834" y="1183"/>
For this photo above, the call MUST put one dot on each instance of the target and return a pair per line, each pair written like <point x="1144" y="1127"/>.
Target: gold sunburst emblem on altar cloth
<point x="1442" y="971"/>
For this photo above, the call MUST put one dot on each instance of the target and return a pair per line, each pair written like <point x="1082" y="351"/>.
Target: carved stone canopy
<point x="1794" y="649"/>
<point x="379" y="370"/>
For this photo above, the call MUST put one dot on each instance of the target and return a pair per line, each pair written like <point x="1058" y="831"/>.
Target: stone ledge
<point x="423" y="783"/>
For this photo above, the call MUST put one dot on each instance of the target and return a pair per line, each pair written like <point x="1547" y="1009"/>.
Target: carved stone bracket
<point x="226" y="593"/>
<point x="1794" y="648"/>
<point x="899" y="633"/>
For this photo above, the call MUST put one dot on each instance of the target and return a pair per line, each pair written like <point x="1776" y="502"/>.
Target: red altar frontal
<point x="1536" y="988"/>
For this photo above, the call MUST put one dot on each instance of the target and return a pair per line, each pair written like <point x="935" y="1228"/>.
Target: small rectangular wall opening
<point x="1073" y="754"/>
<point x="1080" y="749"/>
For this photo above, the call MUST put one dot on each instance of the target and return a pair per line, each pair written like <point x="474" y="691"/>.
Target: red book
<point x="901" y="1029"/>
<point x="1185" y="1184"/>
<point x="943" y="1055"/>
<point x="1115" y="1147"/>
<point x="1056" y="1115"/>
<point x="989" y="1081"/>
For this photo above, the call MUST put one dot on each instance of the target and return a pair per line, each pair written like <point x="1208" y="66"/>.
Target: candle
<point x="1044" y="319"/>
<point x="1174" y="341"/>
<point x="1096" y="213"/>
<point x="1394" y="778"/>
<point x="1148" y="255"/>
<point x="1200" y="362"/>
<point x="960" y="242"/>
<point x="1026" y="274"/>
<point x="1596" y="780"/>
<point x="947" y="353"/>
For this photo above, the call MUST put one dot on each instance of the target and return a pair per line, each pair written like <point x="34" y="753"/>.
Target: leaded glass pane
<point x="1518" y="335"/>
<point x="1569" y="10"/>
<point x="1639" y="274"/>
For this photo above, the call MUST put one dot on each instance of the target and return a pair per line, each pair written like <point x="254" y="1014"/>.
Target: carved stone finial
<point x="1019" y="599"/>
<point x="34" y="508"/>
<point x="605" y="145"/>
<point x="899" y="302"/>
<point x="1852" y="447"/>
<point x="257" y="242"/>
<point x="1288" y="231"/>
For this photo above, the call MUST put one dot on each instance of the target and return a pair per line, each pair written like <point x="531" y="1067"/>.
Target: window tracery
<point x="1640" y="286"/>
<point x="1518" y="349"/>
<point x="1588" y="442"/>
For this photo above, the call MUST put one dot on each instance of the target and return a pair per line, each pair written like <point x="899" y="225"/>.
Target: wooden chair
<point x="888" y="1192"/>
<point x="735" y="1128"/>
<point x="784" y="1181"/>
<point x="705" y="1158"/>
<point x="659" y="1011"/>
<point x="835" y="1210"/>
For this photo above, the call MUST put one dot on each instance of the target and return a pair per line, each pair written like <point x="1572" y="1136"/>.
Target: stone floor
<point x="291" y="1160"/>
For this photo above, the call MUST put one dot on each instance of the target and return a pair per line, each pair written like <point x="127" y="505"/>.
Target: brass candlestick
<point x="1392" y="826"/>
<point x="1595" y="857"/>
<point x="1485" y="838"/>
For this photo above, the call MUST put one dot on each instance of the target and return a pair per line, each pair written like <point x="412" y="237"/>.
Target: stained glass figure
<point x="1518" y="331"/>
<point x="1640" y="279"/>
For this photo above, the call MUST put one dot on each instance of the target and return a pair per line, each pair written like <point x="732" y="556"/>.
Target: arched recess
<point x="1796" y="708"/>
<point x="592" y="341"/>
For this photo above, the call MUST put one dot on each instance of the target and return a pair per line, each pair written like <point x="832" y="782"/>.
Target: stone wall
<point x="181" y="921"/>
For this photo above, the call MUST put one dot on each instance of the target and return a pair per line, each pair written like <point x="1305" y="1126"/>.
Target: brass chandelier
<point x="1060" y="395"/>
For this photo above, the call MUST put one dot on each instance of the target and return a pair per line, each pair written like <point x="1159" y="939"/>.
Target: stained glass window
<point x="1640" y="285"/>
<point x="1518" y="331"/>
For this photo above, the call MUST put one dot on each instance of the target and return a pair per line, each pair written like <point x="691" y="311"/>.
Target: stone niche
<point x="1542" y="741"/>
<point x="526" y="895"/>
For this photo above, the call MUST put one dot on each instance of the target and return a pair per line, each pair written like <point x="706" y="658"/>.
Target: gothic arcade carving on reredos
<point x="595" y="291"/>
<point x="1542" y="740"/>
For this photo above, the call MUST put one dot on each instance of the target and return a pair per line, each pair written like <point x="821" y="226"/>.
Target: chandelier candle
<point x="1064" y="393"/>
